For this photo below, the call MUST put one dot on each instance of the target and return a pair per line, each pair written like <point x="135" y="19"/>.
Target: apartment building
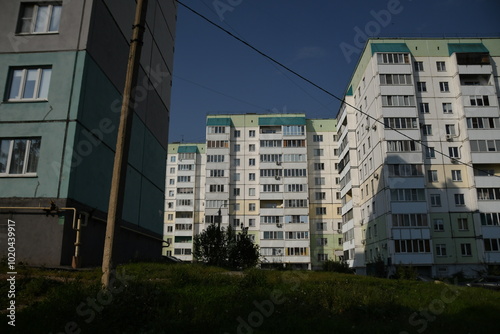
<point x="419" y="156"/>
<point x="271" y="174"/>
<point x="62" y="74"/>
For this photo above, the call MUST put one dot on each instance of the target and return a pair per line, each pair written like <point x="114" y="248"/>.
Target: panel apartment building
<point x="271" y="174"/>
<point x="62" y="73"/>
<point x="419" y="163"/>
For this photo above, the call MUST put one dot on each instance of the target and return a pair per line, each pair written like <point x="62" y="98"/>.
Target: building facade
<point x="271" y="174"/>
<point x="419" y="156"/>
<point x="62" y="73"/>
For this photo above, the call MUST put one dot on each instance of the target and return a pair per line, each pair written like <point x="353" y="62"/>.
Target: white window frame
<point x="444" y="86"/>
<point x="9" y="144"/>
<point x="35" y="16"/>
<point x="40" y="91"/>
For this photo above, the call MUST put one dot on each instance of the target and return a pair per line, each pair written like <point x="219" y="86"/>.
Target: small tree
<point x="242" y="252"/>
<point x="210" y="246"/>
<point x="219" y="247"/>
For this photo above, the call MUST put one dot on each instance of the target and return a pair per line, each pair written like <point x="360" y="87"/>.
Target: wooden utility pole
<point x="123" y="142"/>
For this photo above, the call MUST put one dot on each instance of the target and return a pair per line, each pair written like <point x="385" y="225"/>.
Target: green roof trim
<point x="187" y="149"/>
<point x="466" y="48"/>
<point x="389" y="47"/>
<point x="282" y="120"/>
<point x="219" y="121"/>
<point x="349" y="91"/>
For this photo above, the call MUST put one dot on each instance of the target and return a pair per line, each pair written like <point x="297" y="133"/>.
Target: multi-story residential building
<point x="271" y="174"/>
<point x="62" y="74"/>
<point x="419" y="161"/>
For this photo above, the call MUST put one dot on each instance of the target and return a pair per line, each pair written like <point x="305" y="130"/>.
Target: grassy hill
<point x="184" y="298"/>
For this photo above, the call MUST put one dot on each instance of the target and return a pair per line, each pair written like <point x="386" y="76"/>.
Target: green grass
<point x="182" y="298"/>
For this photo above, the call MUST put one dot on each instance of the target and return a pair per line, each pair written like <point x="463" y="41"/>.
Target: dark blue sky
<point x="214" y="73"/>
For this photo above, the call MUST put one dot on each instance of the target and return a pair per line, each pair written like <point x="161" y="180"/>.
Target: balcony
<point x="475" y="69"/>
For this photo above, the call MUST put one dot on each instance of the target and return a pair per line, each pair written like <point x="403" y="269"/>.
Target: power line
<point x="323" y="89"/>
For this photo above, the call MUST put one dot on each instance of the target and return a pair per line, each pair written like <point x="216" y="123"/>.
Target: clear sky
<point x="320" y="39"/>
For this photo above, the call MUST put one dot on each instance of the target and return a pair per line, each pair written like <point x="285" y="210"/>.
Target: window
<point x="447" y="108"/>
<point x="318" y="152"/>
<point x="172" y="159"/>
<point x="251" y="133"/>
<point x="251" y="176"/>
<point x="172" y="170"/>
<point x="454" y="152"/>
<point x="251" y="191"/>
<point x="236" y="176"/>
<point x="319" y="181"/>
<point x="393" y="58"/>
<point x="463" y="224"/>
<point x="317" y="138"/>
<point x="491" y="218"/>
<point x="319" y="166"/>
<point x="409" y="220"/>
<point x="19" y="156"/>
<point x="171" y="193"/>
<point x="456" y="175"/>
<point x="216" y="188"/>
<point x="236" y="162"/>
<point x="483" y="123"/>
<point x="459" y="200"/>
<point x="251" y="162"/>
<point x="441" y="66"/>
<point x="398" y="100"/>
<point x="407" y="195"/>
<point x="251" y="206"/>
<point x="450" y="129"/>
<point x="488" y="194"/>
<point x="399" y="123"/>
<point x="435" y="200"/>
<point x="236" y="191"/>
<point x="319" y="196"/>
<point x="29" y="84"/>
<point x="171" y="181"/>
<point x="216" y="173"/>
<point x="430" y="153"/>
<point x="424" y="107"/>
<point x="479" y="101"/>
<point x="251" y="222"/>
<point x="322" y="241"/>
<point x="38" y="18"/>
<point x="485" y="145"/>
<point x="466" y="249"/>
<point x="321" y="211"/>
<point x="293" y="130"/>
<point x="394" y="79"/>
<point x="421" y="86"/>
<point x="270" y="188"/>
<point x="418" y="66"/>
<point x="237" y="133"/>
<point x="444" y="87"/>
<point x="217" y="144"/>
<point x="216" y="129"/>
<point x="237" y="147"/>
<point x="277" y="235"/>
<point x="432" y="175"/>
<point x="427" y="130"/>
<point x="440" y="249"/>
<point x="412" y="246"/>
<point x="491" y="245"/>
<point x="251" y="147"/>
<point x="402" y="146"/>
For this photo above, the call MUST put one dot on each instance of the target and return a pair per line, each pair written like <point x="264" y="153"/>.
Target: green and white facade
<point x="419" y="156"/>
<point x="269" y="173"/>
<point x="62" y="72"/>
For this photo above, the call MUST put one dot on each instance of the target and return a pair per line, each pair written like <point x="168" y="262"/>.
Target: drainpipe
<point x="76" y="259"/>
